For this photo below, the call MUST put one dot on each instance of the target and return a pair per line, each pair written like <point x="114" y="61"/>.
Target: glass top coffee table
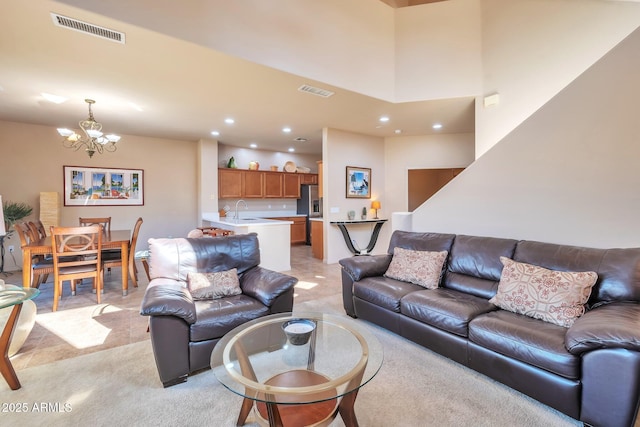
<point x="301" y="379"/>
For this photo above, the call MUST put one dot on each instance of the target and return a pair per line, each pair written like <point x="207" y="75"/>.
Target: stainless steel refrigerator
<point x="309" y="205"/>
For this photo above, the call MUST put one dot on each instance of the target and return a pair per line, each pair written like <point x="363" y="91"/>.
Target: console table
<point x="342" y="225"/>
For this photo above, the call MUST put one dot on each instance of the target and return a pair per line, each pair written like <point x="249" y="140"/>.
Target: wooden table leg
<point x="247" y="404"/>
<point x="124" y="252"/>
<point x="5" y="340"/>
<point x="26" y="268"/>
<point x="345" y="408"/>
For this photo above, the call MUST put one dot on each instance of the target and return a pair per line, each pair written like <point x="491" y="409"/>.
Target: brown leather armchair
<point x="184" y="331"/>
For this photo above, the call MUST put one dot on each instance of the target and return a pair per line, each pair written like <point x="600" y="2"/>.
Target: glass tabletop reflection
<point x="258" y="361"/>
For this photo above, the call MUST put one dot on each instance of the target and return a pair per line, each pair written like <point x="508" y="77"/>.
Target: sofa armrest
<point x="265" y="285"/>
<point x="613" y="325"/>
<point x="168" y="300"/>
<point x="359" y="267"/>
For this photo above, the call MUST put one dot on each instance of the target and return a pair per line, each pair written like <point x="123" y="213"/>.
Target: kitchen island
<point x="273" y="235"/>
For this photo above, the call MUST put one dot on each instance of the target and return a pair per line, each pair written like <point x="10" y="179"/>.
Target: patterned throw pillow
<point x="214" y="285"/>
<point x="553" y="296"/>
<point x="420" y="267"/>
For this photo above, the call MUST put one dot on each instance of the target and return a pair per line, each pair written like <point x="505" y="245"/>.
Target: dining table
<point x="114" y="239"/>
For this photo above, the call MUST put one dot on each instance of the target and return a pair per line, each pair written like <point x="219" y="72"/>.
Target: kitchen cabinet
<point x="242" y="183"/>
<point x="229" y="183"/>
<point x="317" y="239"/>
<point x="298" y="228"/>
<point x="252" y="184"/>
<point x="291" y="185"/>
<point x="308" y="178"/>
<point x="273" y="182"/>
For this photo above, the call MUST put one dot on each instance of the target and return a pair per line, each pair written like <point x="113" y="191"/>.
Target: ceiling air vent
<point x="315" y="91"/>
<point x="85" y="27"/>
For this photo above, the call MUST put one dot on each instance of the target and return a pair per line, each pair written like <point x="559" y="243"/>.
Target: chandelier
<point x="93" y="140"/>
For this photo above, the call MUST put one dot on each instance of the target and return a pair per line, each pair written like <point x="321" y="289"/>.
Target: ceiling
<point x="159" y="86"/>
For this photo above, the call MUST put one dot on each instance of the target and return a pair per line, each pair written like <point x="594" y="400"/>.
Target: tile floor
<point x="81" y="326"/>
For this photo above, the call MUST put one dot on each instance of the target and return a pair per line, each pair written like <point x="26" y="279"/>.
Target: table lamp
<point x="375" y="205"/>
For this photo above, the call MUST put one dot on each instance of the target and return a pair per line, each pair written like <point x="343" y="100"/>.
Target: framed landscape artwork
<point x="358" y="182"/>
<point x="89" y="186"/>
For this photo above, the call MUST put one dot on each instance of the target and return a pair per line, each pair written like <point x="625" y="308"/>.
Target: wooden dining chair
<point x="105" y="222"/>
<point x="77" y="254"/>
<point x="40" y="266"/>
<point x="114" y="258"/>
<point x="133" y="268"/>
<point x="39" y="226"/>
<point x="34" y="230"/>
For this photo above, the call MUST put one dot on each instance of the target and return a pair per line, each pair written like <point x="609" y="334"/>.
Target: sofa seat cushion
<point x="526" y="339"/>
<point x="383" y="291"/>
<point x="217" y="317"/>
<point x="445" y="309"/>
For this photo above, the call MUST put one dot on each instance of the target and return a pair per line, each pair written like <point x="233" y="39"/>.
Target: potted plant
<point x="14" y="212"/>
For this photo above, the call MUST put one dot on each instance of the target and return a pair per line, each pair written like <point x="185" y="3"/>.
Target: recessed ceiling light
<point x="56" y="99"/>
<point x="398" y="131"/>
<point x="300" y="139"/>
<point x="253" y="145"/>
<point x="291" y="149"/>
<point x="229" y="121"/>
<point x="437" y="126"/>
<point x="384" y="119"/>
<point x="215" y="133"/>
<point x="286" y="129"/>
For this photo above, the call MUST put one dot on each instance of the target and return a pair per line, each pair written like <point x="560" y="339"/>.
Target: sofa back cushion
<point x="474" y="264"/>
<point x="176" y="258"/>
<point x="618" y="269"/>
<point x="434" y="242"/>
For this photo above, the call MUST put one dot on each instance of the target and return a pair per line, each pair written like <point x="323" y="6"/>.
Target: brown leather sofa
<point x="183" y="330"/>
<point x="589" y="371"/>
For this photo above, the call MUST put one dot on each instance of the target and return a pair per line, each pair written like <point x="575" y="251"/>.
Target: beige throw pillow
<point x="553" y="296"/>
<point x="420" y="267"/>
<point x="214" y="285"/>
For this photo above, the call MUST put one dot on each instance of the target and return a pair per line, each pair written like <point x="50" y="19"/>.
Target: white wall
<point x="348" y="44"/>
<point x="438" y="51"/>
<point x="266" y="158"/>
<point x="420" y="152"/>
<point x="569" y="174"/>
<point x="342" y="149"/>
<point x="207" y="177"/>
<point x="531" y="49"/>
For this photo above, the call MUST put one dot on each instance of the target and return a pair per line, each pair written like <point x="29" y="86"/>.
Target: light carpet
<point x="120" y="386"/>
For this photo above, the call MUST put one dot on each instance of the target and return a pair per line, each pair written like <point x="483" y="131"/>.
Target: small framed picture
<point x="358" y="182"/>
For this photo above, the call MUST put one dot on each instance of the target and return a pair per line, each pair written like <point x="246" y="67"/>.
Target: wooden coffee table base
<point x="288" y="413"/>
<point x="5" y="341"/>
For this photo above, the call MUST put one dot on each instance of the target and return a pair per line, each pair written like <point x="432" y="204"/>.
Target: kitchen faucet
<point x="237" y="203"/>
